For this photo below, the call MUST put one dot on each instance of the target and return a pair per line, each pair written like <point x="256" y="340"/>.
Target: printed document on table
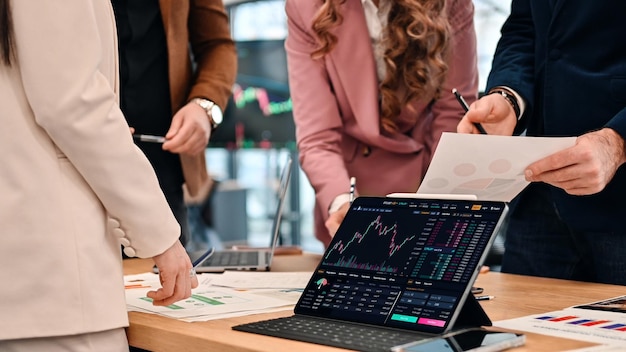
<point x="207" y="302"/>
<point x="487" y="166"/>
<point x="259" y="279"/>
<point x="601" y="322"/>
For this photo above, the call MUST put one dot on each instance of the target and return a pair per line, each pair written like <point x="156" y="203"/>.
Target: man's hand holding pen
<point x="466" y="108"/>
<point x="493" y="113"/>
<point x="189" y="132"/>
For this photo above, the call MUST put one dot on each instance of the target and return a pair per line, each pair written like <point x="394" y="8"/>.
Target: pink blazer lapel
<point x="360" y="85"/>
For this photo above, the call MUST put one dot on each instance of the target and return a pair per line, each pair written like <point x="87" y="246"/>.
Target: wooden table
<point x="516" y="296"/>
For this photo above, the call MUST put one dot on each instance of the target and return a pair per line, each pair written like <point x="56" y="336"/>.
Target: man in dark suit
<point x="177" y="68"/>
<point x="560" y="70"/>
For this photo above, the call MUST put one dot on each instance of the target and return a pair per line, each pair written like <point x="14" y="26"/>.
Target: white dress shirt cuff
<point x="338" y="202"/>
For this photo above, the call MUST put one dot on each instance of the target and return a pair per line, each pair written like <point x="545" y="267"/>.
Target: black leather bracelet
<point x="510" y="97"/>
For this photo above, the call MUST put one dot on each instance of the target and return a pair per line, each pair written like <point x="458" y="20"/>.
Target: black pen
<point x="460" y="99"/>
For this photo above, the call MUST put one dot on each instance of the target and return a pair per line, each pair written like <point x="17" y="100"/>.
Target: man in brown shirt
<point x="177" y="67"/>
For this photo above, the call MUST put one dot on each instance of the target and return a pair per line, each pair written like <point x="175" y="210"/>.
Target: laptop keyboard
<point x="331" y="333"/>
<point x="234" y="258"/>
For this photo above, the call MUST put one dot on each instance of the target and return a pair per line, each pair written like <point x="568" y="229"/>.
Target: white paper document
<point x="601" y="322"/>
<point x="487" y="166"/>
<point x="248" y="280"/>
<point x="209" y="301"/>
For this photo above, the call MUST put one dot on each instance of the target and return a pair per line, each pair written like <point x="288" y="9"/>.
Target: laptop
<point x="396" y="271"/>
<point x="255" y="258"/>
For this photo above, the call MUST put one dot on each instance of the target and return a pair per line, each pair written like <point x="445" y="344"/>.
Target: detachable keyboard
<point x="332" y="333"/>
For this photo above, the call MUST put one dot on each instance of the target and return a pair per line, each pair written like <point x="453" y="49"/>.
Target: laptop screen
<point x="402" y="262"/>
<point x="283" y="185"/>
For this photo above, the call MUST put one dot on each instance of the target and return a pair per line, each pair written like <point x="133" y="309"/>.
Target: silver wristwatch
<point x="213" y="111"/>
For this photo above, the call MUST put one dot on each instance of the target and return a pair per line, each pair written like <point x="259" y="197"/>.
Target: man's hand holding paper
<point x="488" y="166"/>
<point x="585" y="168"/>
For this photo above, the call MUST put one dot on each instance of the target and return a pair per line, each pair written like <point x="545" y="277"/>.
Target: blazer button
<point x="119" y="233"/>
<point x="113" y="222"/>
<point x="130" y="251"/>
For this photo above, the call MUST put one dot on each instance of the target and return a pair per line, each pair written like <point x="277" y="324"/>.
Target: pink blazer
<point x="335" y="102"/>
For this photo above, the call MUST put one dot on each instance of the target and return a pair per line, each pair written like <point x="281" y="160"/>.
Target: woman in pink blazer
<point x="371" y="85"/>
<point x="73" y="186"/>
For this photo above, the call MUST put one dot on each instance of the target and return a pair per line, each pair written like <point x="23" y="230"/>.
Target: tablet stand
<point x="472" y="315"/>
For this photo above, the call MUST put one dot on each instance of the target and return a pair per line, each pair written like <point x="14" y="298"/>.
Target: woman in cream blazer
<point x="72" y="184"/>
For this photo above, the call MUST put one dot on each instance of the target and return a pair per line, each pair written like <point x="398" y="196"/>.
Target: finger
<point x="167" y="286"/>
<point x="576" y="188"/>
<point x="186" y="288"/>
<point x="567" y="174"/>
<point x="192" y="145"/>
<point x="160" y="297"/>
<point x="583" y="184"/>
<point x="198" y="139"/>
<point x="332" y="226"/>
<point x="195" y="144"/>
<point x="194" y="282"/>
<point x="177" y="122"/>
<point x="478" y="113"/>
<point x="166" y="290"/>
<point x="191" y="138"/>
<point x="465" y="126"/>
<point x="538" y="170"/>
<point x="178" y="140"/>
<point x="180" y="289"/>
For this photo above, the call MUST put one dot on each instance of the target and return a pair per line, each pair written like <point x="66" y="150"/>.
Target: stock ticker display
<point x="402" y="262"/>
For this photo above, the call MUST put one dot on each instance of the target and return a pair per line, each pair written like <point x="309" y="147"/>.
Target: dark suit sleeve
<point x="514" y="61"/>
<point x="618" y="123"/>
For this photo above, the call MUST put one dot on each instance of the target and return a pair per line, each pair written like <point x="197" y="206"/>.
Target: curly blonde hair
<point x="416" y="45"/>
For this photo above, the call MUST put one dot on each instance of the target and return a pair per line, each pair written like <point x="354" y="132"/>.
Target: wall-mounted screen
<point x="259" y="112"/>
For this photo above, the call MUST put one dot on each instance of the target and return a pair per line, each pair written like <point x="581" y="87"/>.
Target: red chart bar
<point x="592" y="323"/>
<point x="567" y="317"/>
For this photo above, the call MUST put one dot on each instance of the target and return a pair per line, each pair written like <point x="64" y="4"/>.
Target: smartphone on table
<point x="469" y="340"/>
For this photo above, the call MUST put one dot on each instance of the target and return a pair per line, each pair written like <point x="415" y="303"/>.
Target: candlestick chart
<point x="385" y="240"/>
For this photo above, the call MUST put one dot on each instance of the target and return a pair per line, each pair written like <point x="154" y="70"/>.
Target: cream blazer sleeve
<point x="67" y="55"/>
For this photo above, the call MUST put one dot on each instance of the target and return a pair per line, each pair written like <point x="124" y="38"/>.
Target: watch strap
<point x="510" y="98"/>
<point x="208" y="106"/>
